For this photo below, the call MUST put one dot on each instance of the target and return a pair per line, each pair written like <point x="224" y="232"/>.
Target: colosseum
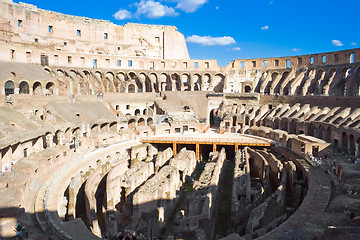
<point x="113" y="132"/>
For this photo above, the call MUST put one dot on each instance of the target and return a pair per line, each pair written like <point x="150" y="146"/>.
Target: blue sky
<point x="226" y="30"/>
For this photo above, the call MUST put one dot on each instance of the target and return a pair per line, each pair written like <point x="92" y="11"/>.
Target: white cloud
<point x="337" y="43"/>
<point x="217" y="8"/>
<point x="152" y="9"/>
<point x="353" y="44"/>
<point x="236" y="49"/>
<point x="296" y="49"/>
<point x="190" y="6"/>
<point x="265" y="28"/>
<point x="210" y="41"/>
<point x="122" y="14"/>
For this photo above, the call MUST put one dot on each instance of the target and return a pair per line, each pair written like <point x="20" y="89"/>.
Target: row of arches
<point x="337" y="81"/>
<point x="36" y="88"/>
<point x="90" y="82"/>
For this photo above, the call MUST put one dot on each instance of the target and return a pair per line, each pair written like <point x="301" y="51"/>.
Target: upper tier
<point x="26" y="24"/>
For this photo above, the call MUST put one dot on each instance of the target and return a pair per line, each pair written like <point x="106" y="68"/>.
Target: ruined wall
<point x="201" y="204"/>
<point x="45" y="29"/>
<point x="156" y="199"/>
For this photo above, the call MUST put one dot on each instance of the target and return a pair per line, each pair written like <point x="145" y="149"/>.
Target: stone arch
<point x="357" y="148"/>
<point x="328" y="134"/>
<point x="149" y="122"/>
<point x="281" y="81"/>
<point x="197" y="82"/>
<point x="50" y="88"/>
<point x="315" y="85"/>
<point x="351" y="145"/>
<point x="103" y="127"/>
<point x="135" y="80"/>
<point x="273" y="78"/>
<point x="131" y="88"/>
<point x="284" y="124"/>
<point x="219" y="82"/>
<point x="247" y="89"/>
<point x="292" y="126"/>
<point x="276" y="123"/>
<point x="94" y="129"/>
<point x="98" y="74"/>
<point x="37" y="88"/>
<point x="247" y="120"/>
<point x="207" y="84"/>
<point x="9" y="87"/>
<point x="146" y="82"/>
<point x="175" y="78"/>
<point x="154" y="80"/>
<point x="186" y="81"/>
<point x="131" y="123"/>
<point x="141" y="122"/>
<point x="142" y="80"/>
<point x="24" y="87"/>
<point x="57" y="137"/>
<point x="110" y="80"/>
<point x="165" y="82"/>
<point x="120" y="82"/>
<point x="344" y="141"/>
<point x="357" y="81"/>
<point x="311" y="130"/>
<point x="338" y="85"/>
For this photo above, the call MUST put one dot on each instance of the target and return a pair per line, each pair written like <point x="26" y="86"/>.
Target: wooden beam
<point x="197" y="151"/>
<point x="174" y="148"/>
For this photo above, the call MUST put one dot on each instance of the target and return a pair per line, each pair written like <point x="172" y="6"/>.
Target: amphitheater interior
<point x="113" y="132"/>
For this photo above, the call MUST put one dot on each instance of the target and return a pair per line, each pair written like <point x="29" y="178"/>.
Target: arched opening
<point x="248" y="89"/>
<point x="50" y="87"/>
<point x="37" y="88"/>
<point x="352" y="145"/>
<point x="131" y="124"/>
<point x="234" y="121"/>
<point x="103" y="128"/>
<point x="206" y="82"/>
<point x="154" y="82"/>
<point x="247" y="120"/>
<point x="357" y="148"/>
<point x="141" y="122"/>
<point x="311" y="129"/>
<point x="197" y="82"/>
<point x="137" y="112"/>
<point x="292" y="129"/>
<point x="185" y="79"/>
<point x="284" y="125"/>
<point x="113" y="126"/>
<point x="131" y="88"/>
<point x="149" y="121"/>
<point x="280" y="83"/>
<point x="212" y="117"/>
<point x="94" y="129"/>
<point x="148" y="87"/>
<point x="219" y="81"/>
<point x="175" y="78"/>
<point x="24" y="88"/>
<point x="9" y="88"/>
<point x="328" y="135"/>
<point x="276" y="124"/>
<point x="344" y="141"/>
